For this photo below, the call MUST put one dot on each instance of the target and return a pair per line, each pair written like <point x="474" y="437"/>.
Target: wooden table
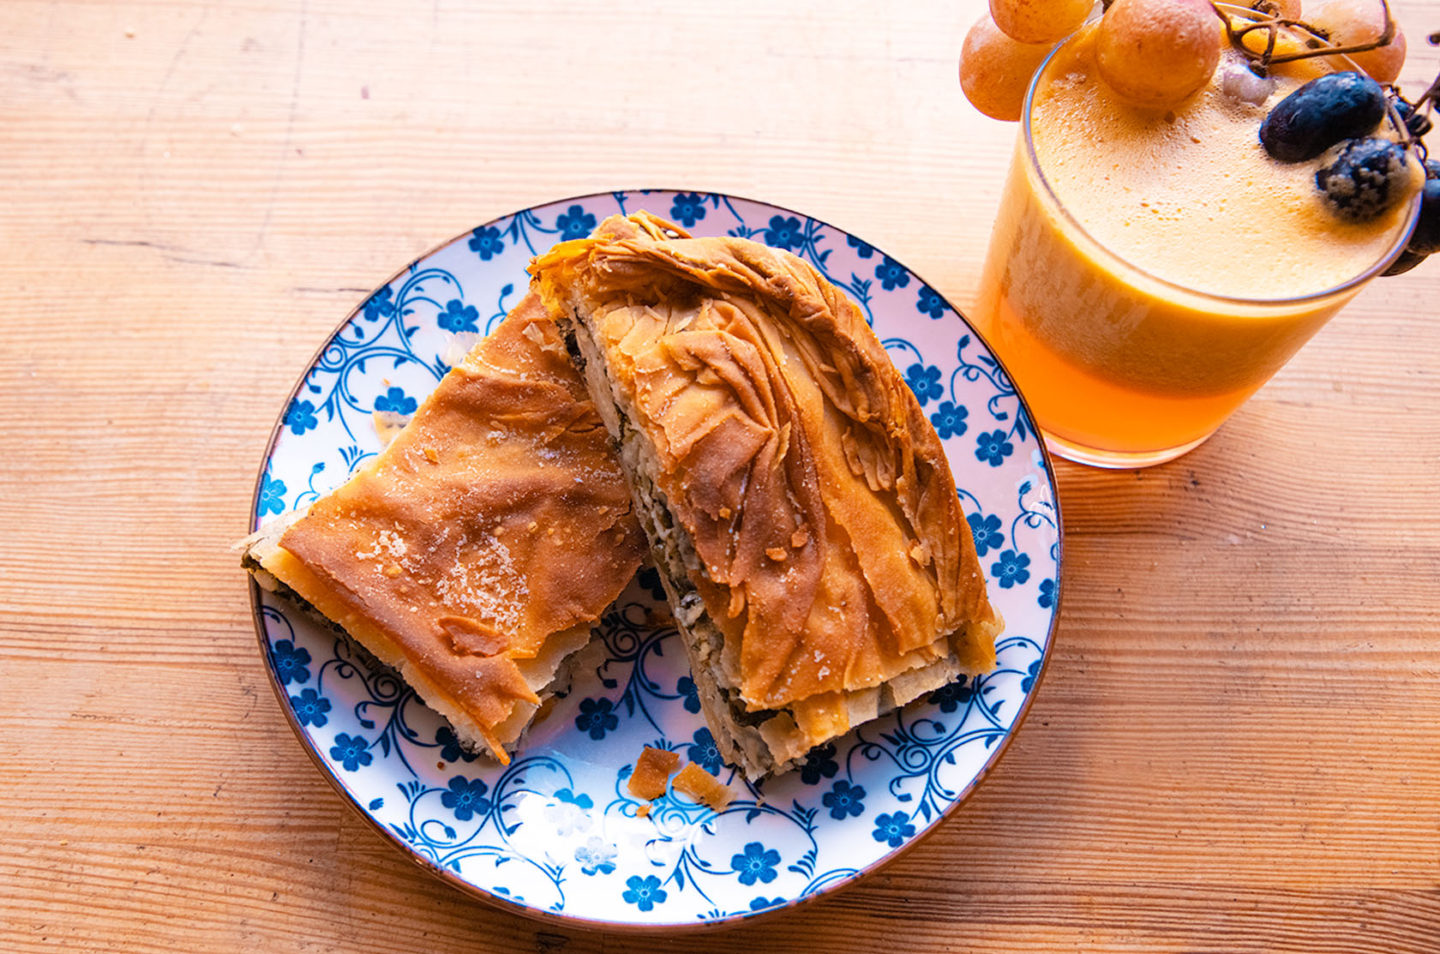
<point x="1237" y="747"/>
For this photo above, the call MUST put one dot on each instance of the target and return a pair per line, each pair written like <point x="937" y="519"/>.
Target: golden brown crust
<point x="497" y="519"/>
<point x="815" y="492"/>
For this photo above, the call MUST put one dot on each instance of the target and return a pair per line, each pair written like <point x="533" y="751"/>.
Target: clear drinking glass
<point x="1121" y="368"/>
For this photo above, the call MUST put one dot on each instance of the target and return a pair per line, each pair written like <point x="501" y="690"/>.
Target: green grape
<point x="1039" y="21"/>
<point x="1355" y="23"/>
<point x="995" y="70"/>
<point x="1155" y="53"/>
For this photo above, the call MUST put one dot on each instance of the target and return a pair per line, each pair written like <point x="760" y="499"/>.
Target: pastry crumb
<point x="652" y="773"/>
<point x="703" y="787"/>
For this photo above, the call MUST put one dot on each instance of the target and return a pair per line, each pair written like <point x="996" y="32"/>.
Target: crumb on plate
<point x="652" y="772"/>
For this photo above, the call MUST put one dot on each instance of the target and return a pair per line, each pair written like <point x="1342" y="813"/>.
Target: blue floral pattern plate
<point x="556" y="834"/>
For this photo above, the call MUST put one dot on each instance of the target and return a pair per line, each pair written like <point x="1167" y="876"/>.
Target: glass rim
<point x="1354" y="282"/>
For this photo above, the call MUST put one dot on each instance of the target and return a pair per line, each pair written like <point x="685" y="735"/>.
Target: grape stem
<point x="1425" y="100"/>
<point x="1432" y="93"/>
<point x="1265" y="15"/>
<point x="1240" y="21"/>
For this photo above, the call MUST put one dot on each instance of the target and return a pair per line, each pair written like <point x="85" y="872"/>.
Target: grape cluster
<point x="1155" y="54"/>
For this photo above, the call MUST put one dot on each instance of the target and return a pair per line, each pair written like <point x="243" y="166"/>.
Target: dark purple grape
<point x="1426" y="237"/>
<point x="1324" y="111"/>
<point x="1366" y="178"/>
<point x="1404" y="263"/>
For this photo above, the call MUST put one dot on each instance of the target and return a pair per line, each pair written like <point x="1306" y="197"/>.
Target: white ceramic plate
<point x="555" y="834"/>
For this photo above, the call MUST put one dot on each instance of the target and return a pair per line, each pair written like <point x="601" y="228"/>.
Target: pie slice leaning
<point x="475" y="551"/>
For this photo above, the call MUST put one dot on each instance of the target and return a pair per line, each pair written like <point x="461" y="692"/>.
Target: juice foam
<point x="1190" y="195"/>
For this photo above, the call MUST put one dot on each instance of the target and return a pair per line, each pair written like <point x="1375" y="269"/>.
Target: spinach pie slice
<point x="798" y="503"/>
<point x="475" y="551"/>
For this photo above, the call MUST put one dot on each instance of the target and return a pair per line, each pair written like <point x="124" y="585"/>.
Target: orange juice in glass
<point x="1150" y="270"/>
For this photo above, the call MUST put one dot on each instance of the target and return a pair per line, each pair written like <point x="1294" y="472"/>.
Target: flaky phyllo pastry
<point x="798" y="503"/>
<point x="473" y="554"/>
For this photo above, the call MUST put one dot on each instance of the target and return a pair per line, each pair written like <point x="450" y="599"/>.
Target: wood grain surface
<point x="1237" y="746"/>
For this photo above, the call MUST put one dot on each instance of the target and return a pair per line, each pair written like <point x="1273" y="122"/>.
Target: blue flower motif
<point x="567" y="797"/>
<point x="986" y="531"/>
<point x="893" y="829"/>
<point x="1010" y="569"/>
<point x="570" y="813"/>
<point x="351" y="751"/>
<point x="891" y="274"/>
<point x="993" y="448"/>
<point x="300" y="416"/>
<point x="380" y="304"/>
<point x="310" y="708"/>
<point x="686" y="688"/>
<point x="760" y="904"/>
<point x="649" y="580"/>
<point x="784" y="232"/>
<point x="597" y="717"/>
<point x="291" y="663"/>
<point x="458" y="317"/>
<point x="819" y="762"/>
<point x="644" y="893"/>
<point x="949" y="420"/>
<point x="688" y="208"/>
<point x="466" y="798"/>
<point x="756" y="863"/>
<point x="272" y="495"/>
<point x="1046" y="599"/>
<point x="930" y="303"/>
<point x="705" y="753"/>
<point x="1028" y="682"/>
<point x="450" y="748"/>
<point x="844" y="799"/>
<point x="863" y="249"/>
<point x="924" y="381"/>
<point x="596" y="856"/>
<point x="485" y="242"/>
<point x="954" y="696"/>
<point x="575" y="223"/>
<point x="397" y="400"/>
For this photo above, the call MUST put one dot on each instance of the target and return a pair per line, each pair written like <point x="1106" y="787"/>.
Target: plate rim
<point x="560" y="919"/>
